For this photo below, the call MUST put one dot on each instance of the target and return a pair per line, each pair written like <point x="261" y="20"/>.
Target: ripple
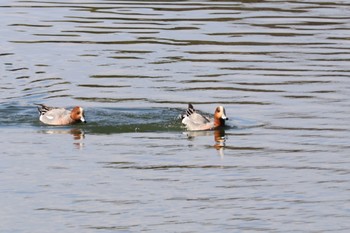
<point x="102" y="86"/>
<point x="229" y="89"/>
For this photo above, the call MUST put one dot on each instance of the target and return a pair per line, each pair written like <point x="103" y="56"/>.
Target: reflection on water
<point x="280" y="68"/>
<point x="78" y="135"/>
<point x="219" y="138"/>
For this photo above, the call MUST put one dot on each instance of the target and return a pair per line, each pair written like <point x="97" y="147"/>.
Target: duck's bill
<point x="82" y="119"/>
<point x="224" y="117"/>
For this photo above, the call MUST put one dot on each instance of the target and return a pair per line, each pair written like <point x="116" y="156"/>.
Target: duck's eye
<point x="218" y="110"/>
<point x="78" y="113"/>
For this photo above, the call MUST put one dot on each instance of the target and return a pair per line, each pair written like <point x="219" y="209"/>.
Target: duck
<point x="60" y="116"/>
<point x="194" y="121"/>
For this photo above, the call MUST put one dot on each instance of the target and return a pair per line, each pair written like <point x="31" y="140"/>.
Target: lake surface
<point x="280" y="68"/>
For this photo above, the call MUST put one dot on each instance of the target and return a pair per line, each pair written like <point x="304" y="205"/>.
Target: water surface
<point x="280" y="68"/>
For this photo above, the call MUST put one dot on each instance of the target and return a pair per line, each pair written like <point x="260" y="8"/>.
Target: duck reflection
<point x="219" y="138"/>
<point x="78" y="135"/>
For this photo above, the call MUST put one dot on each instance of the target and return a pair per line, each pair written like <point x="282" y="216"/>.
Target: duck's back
<point x="56" y="116"/>
<point x="196" y="121"/>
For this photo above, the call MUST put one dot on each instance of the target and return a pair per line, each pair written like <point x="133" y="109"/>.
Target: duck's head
<point x="220" y="116"/>
<point x="77" y="114"/>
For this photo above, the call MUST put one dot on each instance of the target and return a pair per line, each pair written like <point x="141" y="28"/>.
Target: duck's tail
<point x="189" y="111"/>
<point x="42" y="108"/>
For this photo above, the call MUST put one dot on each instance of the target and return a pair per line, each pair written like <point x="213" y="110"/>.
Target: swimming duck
<point x="195" y="121"/>
<point x="60" y="116"/>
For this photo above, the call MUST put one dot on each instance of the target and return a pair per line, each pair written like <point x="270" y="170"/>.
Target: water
<point x="280" y="68"/>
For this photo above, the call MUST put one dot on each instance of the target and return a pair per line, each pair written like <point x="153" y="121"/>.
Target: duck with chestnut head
<point x="60" y="116"/>
<point x="193" y="120"/>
